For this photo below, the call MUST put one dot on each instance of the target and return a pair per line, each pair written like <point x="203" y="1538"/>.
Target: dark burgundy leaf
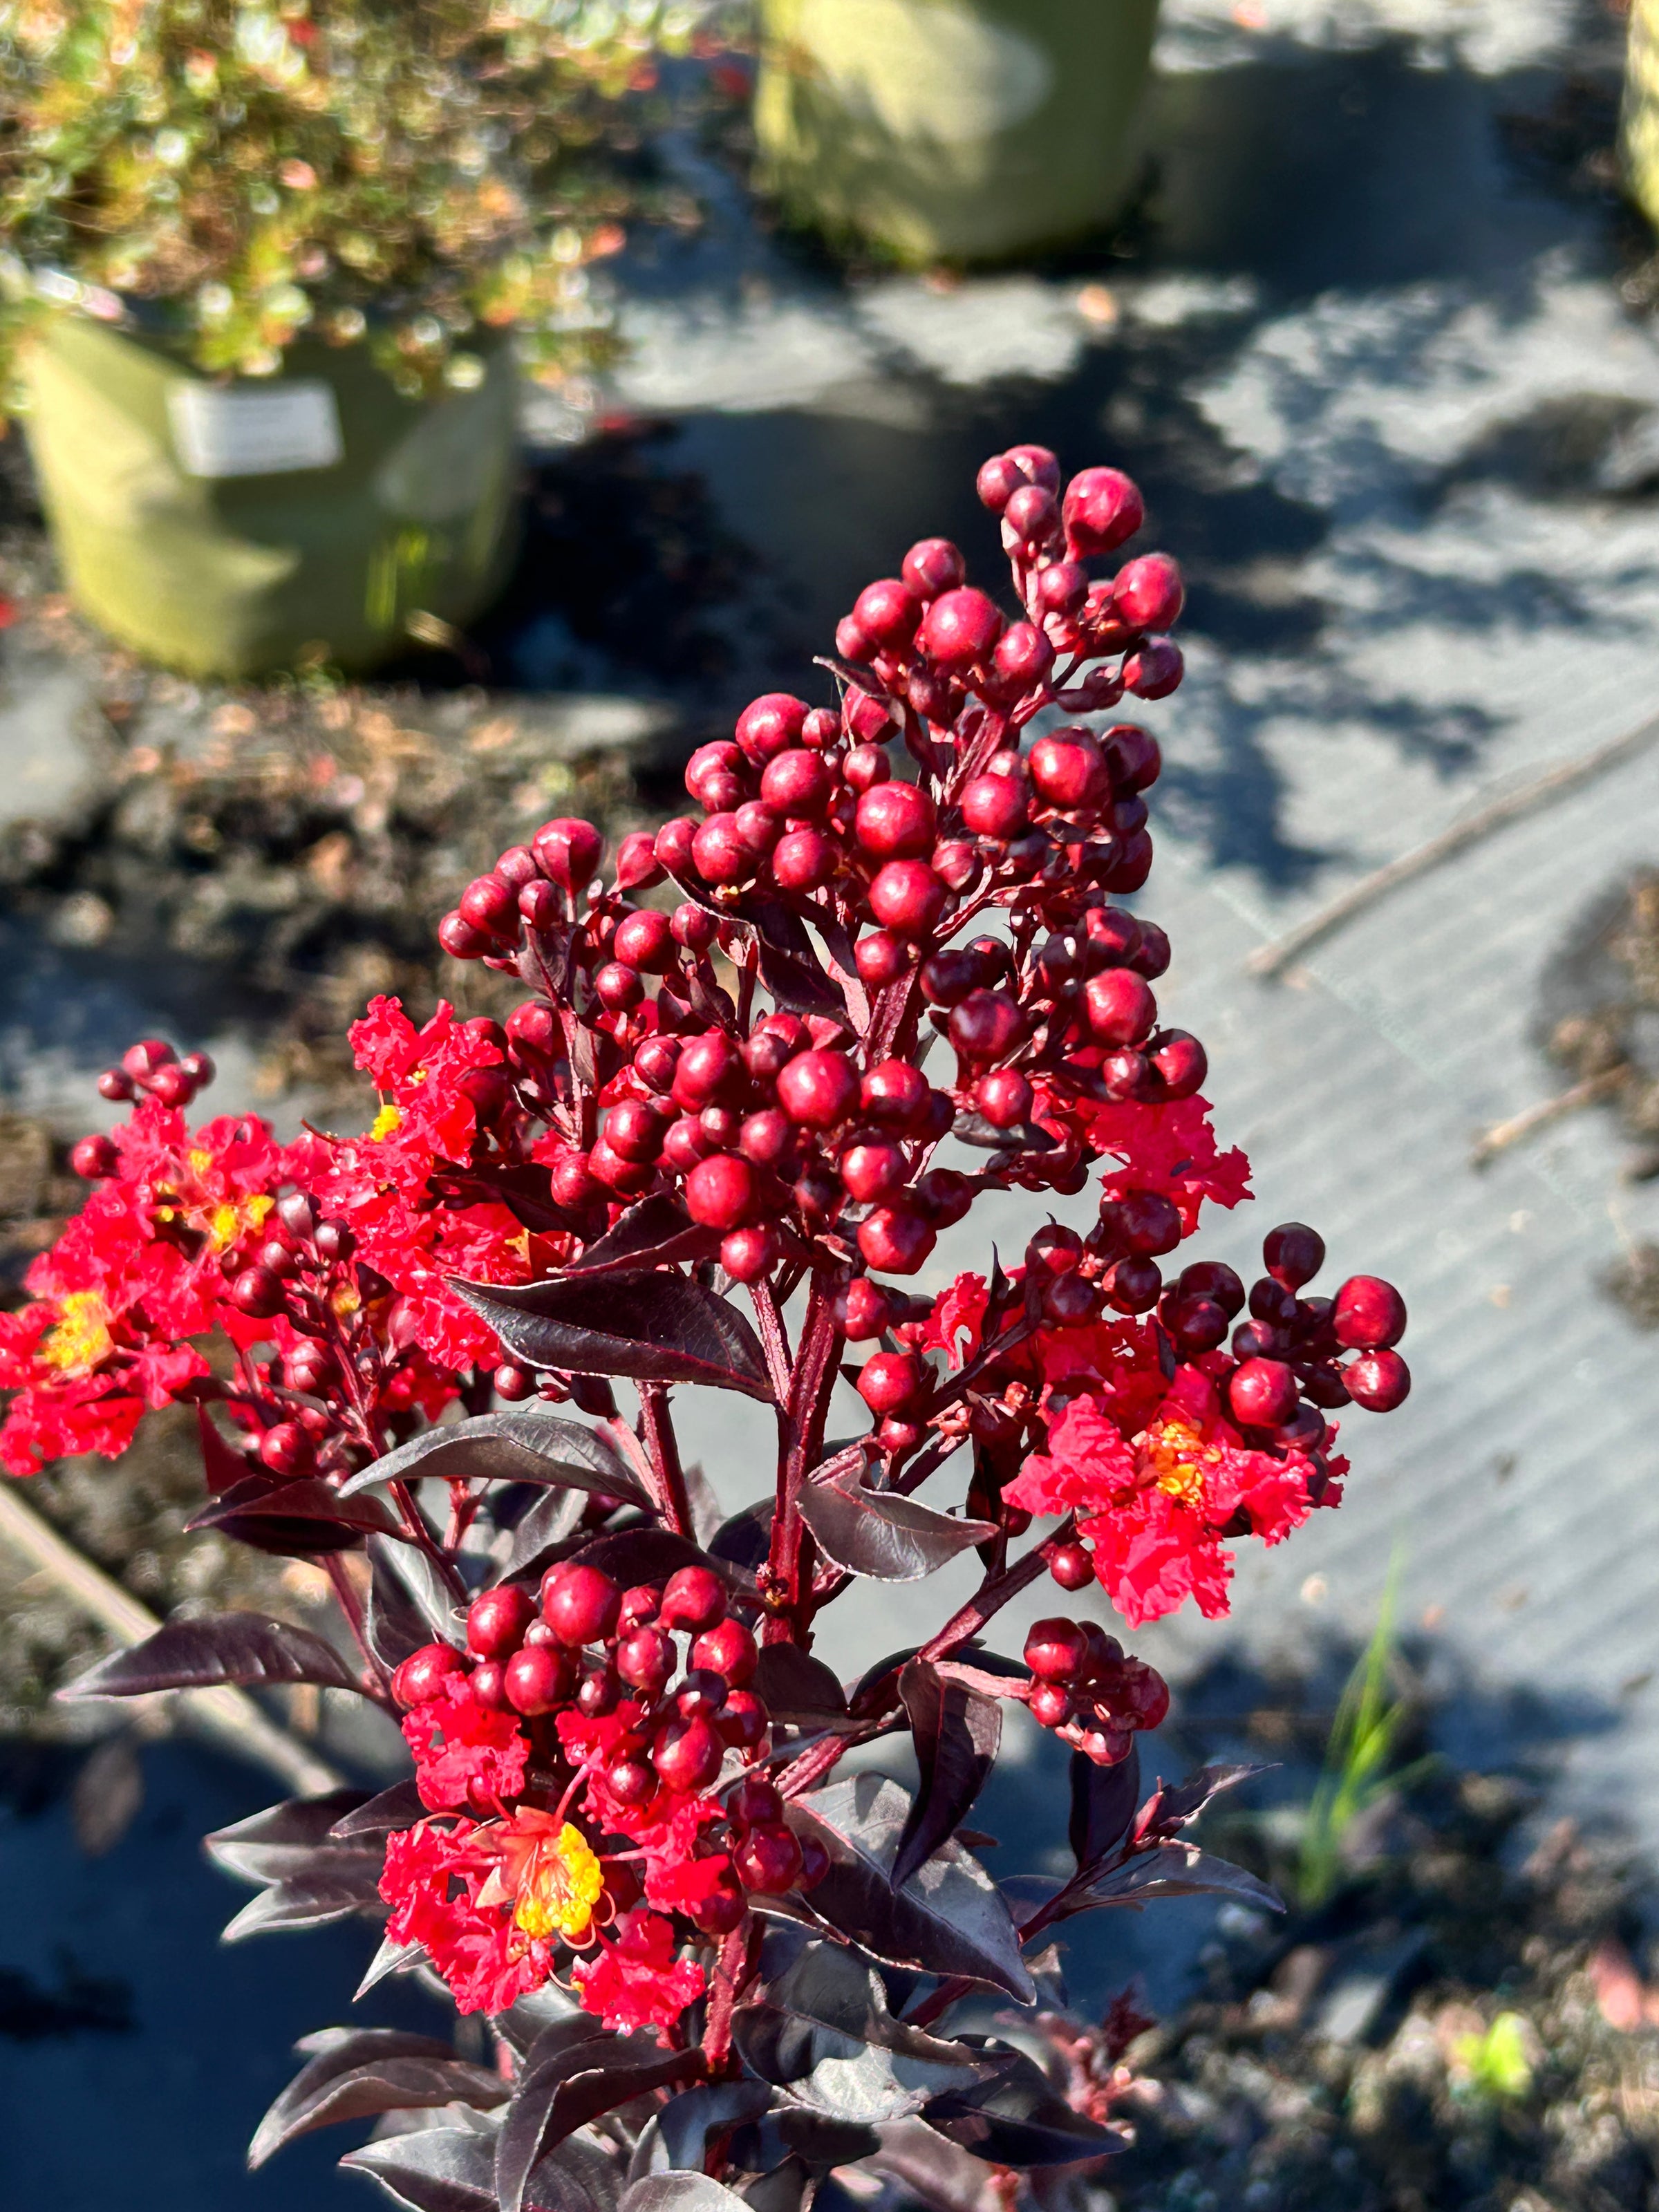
<point x="525" y="1191"/>
<point x="413" y="1599"/>
<point x="1170" y="1808"/>
<point x="655" y="1233"/>
<point x="1027" y="1136"/>
<point x="1019" y="2118"/>
<point x="565" y="2084"/>
<point x="400" y="1807"/>
<point x="956" y="1733"/>
<point x="949" y="1918"/>
<point x="881" y="1535"/>
<point x="221" y="1466"/>
<point x="822" y="2141"/>
<point x="391" y="1959"/>
<point x="545" y="1530"/>
<point x="247" y="1648"/>
<point x="1104" y="1801"/>
<point x="1175" y="1870"/>
<point x="796" y="980"/>
<point x="879" y="1672"/>
<point x="513" y="1446"/>
<point x="433" y="2170"/>
<point x="938" y="2174"/>
<point x="679" y="2135"/>
<point x="650" y="1555"/>
<point x="312" y="1900"/>
<point x="679" y="2192"/>
<point x="652" y="1328"/>
<point x="356" y="2074"/>
<point x="794" y="1685"/>
<point x="784" y="2188"/>
<point x="292" y="1519"/>
<point x="584" y="2174"/>
<point x="825" y="2032"/>
<point x="280" y="1840"/>
<point x="746" y="1538"/>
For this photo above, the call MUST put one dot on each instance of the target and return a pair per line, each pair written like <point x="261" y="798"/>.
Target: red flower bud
<point x="1148" y="594"/>
<point x="747" y="1254"/>
<point x="932" y="566"/>
<point x="1072" y="1566"/>
<point x="491" y="906"/>
<point x="1367" y="1314"/>
<point x="694" y="1598"/>
<point x="688" y="1753"/>
<point x="894" y="822"/>
<point x="537" y="1680"/>
<point x="892" y="1381"/>
<point x="880" y="958"/>
<point x="728" y="1648"/>
<point x="1069" y="770"/>
<point x="719" y="1192"/>
<point x="994" y="806"/>
<point x="1101" y="507"/>
<point x="1262" y="1393"/>
<point x="895" y="1241"/>
<point x="768" y="1861"/>
<point x="959" y="628"/>
<point x="637" y="865"/>
<point x="769" y="724"/>
<point x="496" y="1620"/>
<point x="818" y="1089"/>
<point x="907" y="897"/>
<point x="1293" y="1253"/>
<point x="1378" y="1380"/>
<point x="569" y="851"/>
<point x="1155" y="669"/>
<point x="579" y="1604"/>
<point x="1121" y="1009"/>
<point x="887" y="612"/>
<point x="434" y="1671"/>
<point x="1055" y="1650"/>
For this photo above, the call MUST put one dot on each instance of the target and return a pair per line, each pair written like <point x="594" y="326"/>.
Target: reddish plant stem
<point x="350" y="1605"/>
<point x="995" y="1592"/>
<point x="662" y="1448"/>
<point x="774" y="1341"/>
<point x="734" y="1968"/>
<point x="800" y="1442"/>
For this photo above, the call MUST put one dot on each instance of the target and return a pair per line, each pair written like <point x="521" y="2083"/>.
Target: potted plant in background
<point x="951" y="130"/>
<point x="264" y="269"/>
<point x="1640" y="119"/>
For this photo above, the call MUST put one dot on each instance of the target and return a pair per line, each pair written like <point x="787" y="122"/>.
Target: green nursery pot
<point x="234" y="529"/>
<point x="951" y="130"/>
<point x="1640" y="119"/>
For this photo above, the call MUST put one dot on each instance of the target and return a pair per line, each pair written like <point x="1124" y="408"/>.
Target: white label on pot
<point x="927" y="69"/>
<point x="237" y="432"/>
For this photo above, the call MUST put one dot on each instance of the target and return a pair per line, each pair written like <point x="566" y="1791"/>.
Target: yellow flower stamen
<point x="1174" y="1453"/>
<point x="560" y="1884"/>
<point x="76" y="1343"/>
<point x="388" y="1119"/>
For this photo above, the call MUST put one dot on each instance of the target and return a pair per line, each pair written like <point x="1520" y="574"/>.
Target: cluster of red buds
<point x="149" y="1069"/>
<point x="763" y="1059"/>
<point x="670" y="1664"/>
<point x="1087" y="1692"/>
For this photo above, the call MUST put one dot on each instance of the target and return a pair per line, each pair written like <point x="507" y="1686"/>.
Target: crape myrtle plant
<point x="883" y="971"/>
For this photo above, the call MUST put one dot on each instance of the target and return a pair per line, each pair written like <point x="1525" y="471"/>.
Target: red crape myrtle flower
<point x="763" y="1059"/>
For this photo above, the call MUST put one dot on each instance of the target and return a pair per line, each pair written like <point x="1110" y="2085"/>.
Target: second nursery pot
<point x="232" y="529"/>
<point x="1639" y="123"/>
<point x="951" y="130"/>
